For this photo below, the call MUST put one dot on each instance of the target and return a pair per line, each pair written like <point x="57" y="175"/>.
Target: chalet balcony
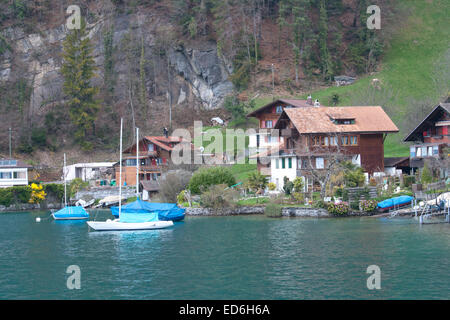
<point x="150" y="153"/>
<point x="425" y="151"/>
<point x="152" y="168"/>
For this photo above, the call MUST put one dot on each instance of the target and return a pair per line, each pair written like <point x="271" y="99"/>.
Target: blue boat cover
<point x="72" y="212"/>
<point x="397" y="201"/>
<point x="132" y="217"/>
<point x="164" y="211"/>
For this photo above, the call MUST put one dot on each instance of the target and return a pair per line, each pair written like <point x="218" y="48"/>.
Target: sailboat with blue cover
<point x="165" y="211"/>
<point x="69" y="212"/>
<point x="132" y="218"/>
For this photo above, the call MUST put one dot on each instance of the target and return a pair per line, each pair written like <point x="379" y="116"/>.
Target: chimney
<point x="309" y="100"/>
<point x="316" y="103"/>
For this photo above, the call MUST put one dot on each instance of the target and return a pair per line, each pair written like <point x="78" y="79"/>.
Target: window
<point x="419" y="152"/>
<point x="333" y="141"/>
<point x="412" y="152"/>
<point x="354" y="140"/>
<point x="283" y="164"/>
<point x="344" y="140"/>
<point x="319" y="163"/>
<point x="435" y="150"/>
<point x="290" y="163"/>
<point x="424" y="151"/>
<point x="8" y="162"/>
<point x="277" y="163"/>
<point x="326" y="139"/>
<point x="151" y="147"/>
<point x="269" y="124"/>
<point x="279" y="109"/>
<point x="430" y="151"/>
<point x="130" y="162"/>
<point x="5" y="175"/>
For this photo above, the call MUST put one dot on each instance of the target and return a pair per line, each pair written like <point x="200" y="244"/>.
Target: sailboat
<point x="69" y="212"/>
<point x="129" y="220"/>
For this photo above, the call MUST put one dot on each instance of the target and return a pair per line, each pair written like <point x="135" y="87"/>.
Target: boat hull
<point x="68" y="218"/>
<point x="124" y="226"/>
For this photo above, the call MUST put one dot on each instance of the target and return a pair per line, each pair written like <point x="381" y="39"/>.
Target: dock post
<point x="421" y="219"/>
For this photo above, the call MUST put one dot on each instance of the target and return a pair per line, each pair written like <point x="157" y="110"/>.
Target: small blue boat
<point x="71" y="213"/>
<point x="166" y="211"/>
<point x="394" y="203"/>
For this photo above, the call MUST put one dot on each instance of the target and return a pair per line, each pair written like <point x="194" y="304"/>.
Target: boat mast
<point x="65" y="188"/>
<point x="137" y="163"/>
<point x="120" y="168"/>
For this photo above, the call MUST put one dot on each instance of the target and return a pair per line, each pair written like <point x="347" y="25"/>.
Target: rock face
<point x="196" y="74"/>
<point x="205" y="72"/>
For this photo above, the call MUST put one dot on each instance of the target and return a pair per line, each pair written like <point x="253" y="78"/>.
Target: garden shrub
<point x="368" y="205"/>
<point x="299" y="197"/>
<point x="408" y="181"/>
<point x="272" y="186"/>
<point x="206" y="177"/>
<point x="6" y="197"/>
<point x="339" y="209"/>
<point x="273" y="210"/>
<point x="173" y="184"/>
<point x="219" y="196"/>
<point x="354" y="205"/>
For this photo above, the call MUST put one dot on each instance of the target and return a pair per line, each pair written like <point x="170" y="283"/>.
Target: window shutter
<point x="445" y="130"/>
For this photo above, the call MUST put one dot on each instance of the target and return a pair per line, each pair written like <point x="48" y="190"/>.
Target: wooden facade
<point x="154" y="159"/>
<point x="358" y="144"/>
<point x="431" y="137"/>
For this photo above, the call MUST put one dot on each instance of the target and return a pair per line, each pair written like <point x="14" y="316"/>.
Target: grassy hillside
<point x="414" y="72"/>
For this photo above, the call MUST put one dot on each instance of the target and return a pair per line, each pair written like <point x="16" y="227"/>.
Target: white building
<point x="13" y="173"/>
<point x="87" y="171"/>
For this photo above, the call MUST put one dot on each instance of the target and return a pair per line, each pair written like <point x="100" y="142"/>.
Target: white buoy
<point x="38" y="219"/>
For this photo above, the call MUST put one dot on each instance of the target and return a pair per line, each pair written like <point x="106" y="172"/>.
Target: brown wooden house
<point x="154" y="160"/>
<point x="312" y="135"/>
<point x="267" y="116"/>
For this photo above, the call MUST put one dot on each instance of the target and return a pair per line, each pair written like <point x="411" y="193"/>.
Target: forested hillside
<point x="168" y="62"/>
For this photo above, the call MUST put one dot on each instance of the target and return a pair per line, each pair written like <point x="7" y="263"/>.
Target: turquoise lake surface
<point x="238" y="257"/>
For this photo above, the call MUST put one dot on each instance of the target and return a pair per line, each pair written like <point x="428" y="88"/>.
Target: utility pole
<point x="273" y="84"/>
<point x="10" y="150"/>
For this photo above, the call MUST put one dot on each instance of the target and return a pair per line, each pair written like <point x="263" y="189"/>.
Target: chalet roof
<point x="417" y="132"/>
<point x="161" y="141"/>
<point x="395" y="161"/>
<point x="367" y="119"/>
<point x="150" y="185"/>
<point x="292" y="102"/>
<point x="13" y="163"/>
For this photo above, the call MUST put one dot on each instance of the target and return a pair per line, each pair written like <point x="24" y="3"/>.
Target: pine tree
<point x="78" y="69"/>
<point x="326" y="65"/>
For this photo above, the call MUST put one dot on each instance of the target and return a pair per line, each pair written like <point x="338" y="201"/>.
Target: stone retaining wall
<point x="305" y="212"/>
<point x="30" y="206"/>
<point x="224" y="211"/>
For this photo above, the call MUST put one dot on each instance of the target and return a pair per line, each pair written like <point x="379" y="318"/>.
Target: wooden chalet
<point x="313" y="134"/>
<point x="154" y="159"/>
<point x="431" y="137"/>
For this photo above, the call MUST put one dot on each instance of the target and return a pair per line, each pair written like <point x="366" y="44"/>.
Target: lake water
<point x="241" y="257"/>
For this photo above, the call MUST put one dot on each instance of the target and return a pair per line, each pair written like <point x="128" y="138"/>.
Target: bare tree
<point x="327" y="148"/>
